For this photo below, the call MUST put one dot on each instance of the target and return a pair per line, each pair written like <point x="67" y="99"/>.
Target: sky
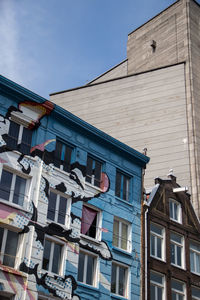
<point x="52" y="45"/>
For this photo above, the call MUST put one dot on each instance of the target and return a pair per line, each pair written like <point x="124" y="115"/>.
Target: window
<point x="119" y="280"/>
<point x="19" y="138"/>
<point x="195" y="293"/>
<point x="52" y="257"/>
<point x="176" y="246"/>
<point x="195" y="257"/>
<point x="157" y="241"/>
<point x="8" y="247"/>
<point x="12" y="187"/>
<point x="175" y="210"/>
<point x="93" y="171"/>
<point x="63" y="156"/>
<point x="87" y="268"/>
<point x="178" y="290"/>
<point x="122" y="186"/>
<point x="157" y="286"/>
<point x="91" y="222"/>
<point x="121" y="234"/>
<point x="58" y="208"/>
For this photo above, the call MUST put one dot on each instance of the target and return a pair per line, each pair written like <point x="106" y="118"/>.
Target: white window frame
<point x="96" y="268"/>
<point x="177" y="244"/>
<point x="156" y="237"/>
<point x="178" y="292"/>
<point x="127" y="279"/>
<point x="98" y="223"/>
<point x="195" y="297"/>
<point x="179" y="211"/>
<point x="54" y="241"/>
<point x="129" y="228"/>
<point x="11" y="195"/>
<point x="19" y="246"/>
<point x="68" y="208"/>
<point x="196" y="253"/>
<point x="158" y="285"/>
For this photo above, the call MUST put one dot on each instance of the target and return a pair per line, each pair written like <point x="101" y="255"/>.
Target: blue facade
<point x="84" y="182"/>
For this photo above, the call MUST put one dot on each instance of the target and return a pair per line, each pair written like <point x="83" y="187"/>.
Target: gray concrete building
<point x="151" y="99"/>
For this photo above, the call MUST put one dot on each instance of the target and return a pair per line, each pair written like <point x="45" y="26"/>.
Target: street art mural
<point x="39" y="162"/>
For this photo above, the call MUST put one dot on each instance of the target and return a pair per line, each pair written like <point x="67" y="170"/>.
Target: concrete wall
<point x="146" y="110"/>
<point x="117" y="71"/>
<point x="168" y="30"/>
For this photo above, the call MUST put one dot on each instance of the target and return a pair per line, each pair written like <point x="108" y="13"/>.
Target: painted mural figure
<point x="73" y="186"/>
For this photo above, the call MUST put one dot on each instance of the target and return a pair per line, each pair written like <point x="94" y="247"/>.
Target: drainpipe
<point x="146" y="235"/>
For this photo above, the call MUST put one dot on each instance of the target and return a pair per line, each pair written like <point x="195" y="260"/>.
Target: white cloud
<point x="9" y="39"/>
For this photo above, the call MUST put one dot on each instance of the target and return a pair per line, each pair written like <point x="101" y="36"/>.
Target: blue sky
<point x="52" y="45"/>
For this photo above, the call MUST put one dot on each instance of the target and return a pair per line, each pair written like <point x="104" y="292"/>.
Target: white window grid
<point x="179" y="211"/>
<point x="68" y="208"/>
<point x="54" y="241"/>
<point x="181" y="246"/>
<point x="158" y="285"/>
<point x="19" y="247"/>
<point x="98" y="223"/>
<point x="195" y="291"/>
<point x="196" y="254"/>
<point x="120" y="237"/>
<point x="12" y="189"/>
<point x="156" y="237"/>
<point x="177" y="292"/>
<point x="126" y="281"/>
<point x="85" y="270"/>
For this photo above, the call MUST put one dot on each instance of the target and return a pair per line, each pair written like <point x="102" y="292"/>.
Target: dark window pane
<point x="113" y="279"/>
<point x="172" y="253"/>
<point x="159" y="253"/>
<point x="19" y="191"/>
<point x="152" y="244"/>
<point x="10" y="249"/>
<point x="26" y="141"/>
<point x="152" y="292"/>
<point x="125" y="188"/>
<point x="51" y="206"/>
<point x="89" y="170"/>
<point x="159" y="290"/>
<point x="56" y="258"/>
<point x="5" y="185"/>
<point x="179" y="256"/>
<point x="13" y="134"/>
<point x="62" y="210"/>
<point x="81" y="266"/>
<point x="122" y="272"/>
<point x="58" y="152"/>
<point x="1" y="237"/>
<point x="67" y="158"/>
<point x="90" y="270"/>
<point x="97" y="174"/>
<point x="46" y="255"/>
<point x="93" y="228"/>
<point x="118" y="184"/>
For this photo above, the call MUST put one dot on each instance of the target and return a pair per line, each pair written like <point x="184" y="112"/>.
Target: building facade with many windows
<point x="70" y="205"/>
<point x="171" y="268"/>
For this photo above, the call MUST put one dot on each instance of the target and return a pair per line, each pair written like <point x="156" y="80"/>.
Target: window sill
<point x="87" y="286"/>
<point x="195" y="273"/>
<point x="176" y="221"/>
<point x="121" y="251"/>
<point x="13" y="271"/>
<point x="176" y="266"/>
<point x="88" y="238"/>
<point x="16" y="206"/>
<point x="114" y="296"/>
<point x="124" y="201"/>
<point x="160" y="259"/>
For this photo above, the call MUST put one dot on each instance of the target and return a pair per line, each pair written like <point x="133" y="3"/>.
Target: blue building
<point x="70" y="204"/>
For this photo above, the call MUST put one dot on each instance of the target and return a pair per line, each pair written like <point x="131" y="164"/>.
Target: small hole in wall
<point x="153" y="45"/>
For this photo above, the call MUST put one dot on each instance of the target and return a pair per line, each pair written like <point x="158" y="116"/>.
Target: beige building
<point x="152" y="98"/>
